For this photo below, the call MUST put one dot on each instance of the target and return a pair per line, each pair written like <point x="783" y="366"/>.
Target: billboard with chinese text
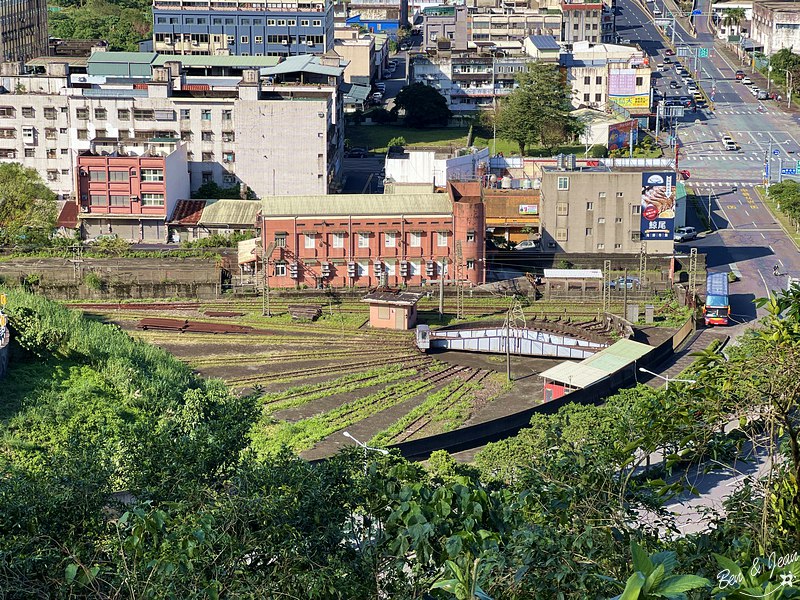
<point x="619" y="134"/>
<point x="642" y="101"/>
<point x="622" y="82"/>
<point x="658" y="206"/>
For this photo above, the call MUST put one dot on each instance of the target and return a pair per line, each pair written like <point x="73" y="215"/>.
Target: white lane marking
<point x="724" y="214"/>
<point x="763" y="236"/>
<point x="771" y="249"/>
<point x="747" y="213"/>
<point x="764" y="281"/>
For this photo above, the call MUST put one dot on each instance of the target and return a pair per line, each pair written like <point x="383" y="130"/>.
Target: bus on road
<point x="717" y="310"/>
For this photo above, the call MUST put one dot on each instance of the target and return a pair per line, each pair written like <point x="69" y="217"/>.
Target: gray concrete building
<point x="277" y="129"/>
<point x="23" y="29"/>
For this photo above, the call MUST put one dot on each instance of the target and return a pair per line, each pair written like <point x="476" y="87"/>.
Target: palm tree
<point x="733" y="17"/>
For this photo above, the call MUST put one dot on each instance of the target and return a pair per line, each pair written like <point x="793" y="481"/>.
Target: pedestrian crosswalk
<point x="744" y="112"/>
<point x="699" y="185"/>
<point x="711" y="157"/>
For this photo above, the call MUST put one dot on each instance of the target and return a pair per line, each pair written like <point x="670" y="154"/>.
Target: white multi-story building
<point x="277" y="129"/>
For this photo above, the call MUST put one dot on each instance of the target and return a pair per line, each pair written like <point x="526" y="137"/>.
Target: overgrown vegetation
<point x="574" y="507"/>
<point x="122" y="23"/>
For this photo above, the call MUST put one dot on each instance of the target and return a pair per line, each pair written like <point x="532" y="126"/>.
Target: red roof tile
<point x="188" y="212"/>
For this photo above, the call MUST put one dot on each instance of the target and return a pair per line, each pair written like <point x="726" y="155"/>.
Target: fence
<point x="475" y="436"/>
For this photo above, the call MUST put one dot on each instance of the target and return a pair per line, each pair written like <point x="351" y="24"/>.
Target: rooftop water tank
<point x="506" y="183"/>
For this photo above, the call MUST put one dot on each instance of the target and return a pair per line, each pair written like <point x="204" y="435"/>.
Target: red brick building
<point x="130" y="189"/>
<point x="364" y="240"/>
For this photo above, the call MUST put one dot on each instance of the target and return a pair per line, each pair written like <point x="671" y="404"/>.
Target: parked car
<point x="622" y="282"/>
<point x="669" y="52"/>
<point x="684" y="234"/>
<point x="667" y="60"/>
<point x="377" y="97"/>
<point x="763" y="95"/>
<point x="527" y="245"/>
<point x="739" y="75"/>
<point x="754" y="90"/>
<point x="746" y="81"/>
<point x="660" y="67"/>
<point x="674" y="85"/>
<point x="381" y="87"/>
<point x="692" y="89"/>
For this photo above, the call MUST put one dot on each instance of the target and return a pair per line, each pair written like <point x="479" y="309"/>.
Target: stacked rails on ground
<point x="310" y="312"/>
<point x="184" y="325"/>
<point x="223" y="313"/>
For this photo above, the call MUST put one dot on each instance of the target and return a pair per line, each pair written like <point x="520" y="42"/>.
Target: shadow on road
<point x="717" y="256"/>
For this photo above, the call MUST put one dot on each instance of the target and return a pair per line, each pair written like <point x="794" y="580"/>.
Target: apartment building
<point x="599" y="74"/>
<point x="587" y="21"/>
<point x="129" y="188"/>
<point x="242" y="27"/>
<point x="23" y="29"/>
<point x="598" y="209"/>
<point x="776" y="25"/>
<point x="278" y="130"/>
<point x="470" y="80"/>
<point x="358" y="50"/>
<point x="367" y="240"/>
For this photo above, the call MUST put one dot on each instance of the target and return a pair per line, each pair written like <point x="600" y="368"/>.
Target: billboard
<point x="619" y="134"/>
<point x="622" y="82"/>
<point x="642" y="101"/>
<point x="529" y="209"/>
<point x="658" y="206"/>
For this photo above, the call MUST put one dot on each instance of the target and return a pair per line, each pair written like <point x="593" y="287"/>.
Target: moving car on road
<point x="746" y="81"/>
<point x="763" y="95"/>
<point x="669" y="52"/>
<point x="739" y="75"/>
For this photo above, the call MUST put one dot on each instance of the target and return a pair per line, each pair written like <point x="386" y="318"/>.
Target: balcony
<point x="479" y="92"/>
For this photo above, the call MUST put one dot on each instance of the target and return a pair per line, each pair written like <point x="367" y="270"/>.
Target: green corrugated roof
<point x="598" y="366"/>
<point x="356" y="204"/>
<point x="128" y="57"/>
<point x="356" y="93"/>
<point x="199" y="60"/>
<point x="230" y="212"/>
<point x="303" y="63"/>
<point x="121" y="64"/>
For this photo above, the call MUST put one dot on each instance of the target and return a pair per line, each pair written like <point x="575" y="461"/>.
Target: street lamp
<point x="666" y="378"/>
<point x="383" y="451"/>
<point x="788" y="88"/>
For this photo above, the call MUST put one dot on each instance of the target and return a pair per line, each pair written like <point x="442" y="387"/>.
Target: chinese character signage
<point x="631" y="101"/>
<point x="529" y="209"/>
<point x="658" y="206"/>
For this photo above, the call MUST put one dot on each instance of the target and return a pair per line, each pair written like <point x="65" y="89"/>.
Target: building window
<point x="50" y="133"/>
<point x="601" y="220"/>
<point x="563" y="183"/>
<point x="636" y="236"/>
<point x="601" y="195"/>
<point x="280" y="269"/>
<point x="119" y="175"/>
<point x="186" y="113"/>
<point x="8" y="134"/>
<point x="51" y="153"/>
<point x="338" y="240"/>
<point x="639" y="81"/>
<point x="618" y="220"/>
<point x="259" y="39"/>
<point x="588" y="232"/>
<point x="587" y="80"/>
<point x="28" y="112"/>
<point x="562" y="209"/>
<point x="470" y="264"/>
<point x="441" y="239"/>
<point x="309" y="241"/>
<point x="601" y="246"/>
<point x="271" y="22"/>
<point x="416" y="239"/>
<point x="208" y="157"/>
<point x="598" y="97"/>
<point x="598" y="80"/>
<point x="124" y="114"/>
<point x="620" y="194"/>
<point x="617" y="246"/>
<point x="561" y="235"/>
<point x="228" y="157"/>
<point x="50" y="113"/>
<point x="64" y="151"/>
<point x="227" y="115"/>
<point x="187" y="136"/>
<point x="636" y="209"/>
<point x="207" y="136"/>
<point x="152" y="199"/>
<point x="470" y="236"/>
<point x="586" y="97"/>
<point x="280" y="240"/>
<point x="82" y="113"/>
<point x="304" y="23"/>
<point x="30" y="152"/>
<point x="120" y="200"/>
<point x="100" y="114"/>
<point x="144" y="114"/>
<point x="590" y="206"/>
<point x="152" y="174"/>
<point x="363" y="240"/>
<point x="97" y="175"/>
<point x="245" y="39"/>
<point x="98" y="200"/>
<point x="317" y="23"/>
<point x="390" y="240"/>
<point x="228" y="136"/>
<point x="205" y="114"/>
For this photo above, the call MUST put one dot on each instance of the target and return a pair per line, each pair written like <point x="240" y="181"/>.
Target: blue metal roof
<point x="544" y="42"/>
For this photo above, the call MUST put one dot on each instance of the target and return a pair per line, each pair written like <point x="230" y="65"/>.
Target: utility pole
<point x="625" y="295"/>
<point x="788" y="89"/>
<point x="459" y="273"/>
<point x="265" y="308"/>
<point x="441" y="288"/>
<point x="767" y="154"/>
<point x="710" y="222"/>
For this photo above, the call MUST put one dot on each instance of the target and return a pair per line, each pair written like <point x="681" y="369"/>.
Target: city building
<point x="23" y="29"/>
<point x="434" y="167"/>
<point x="377" y="16"/>
<point x="242" y="27"/>
<point x="597" y="209"/>
<point x="129" y="188"/>
<point x="197" y="219"/>
<point x="601" y="74"/>
<point x="277" y="129"/>
<point x="358" y="50"/>
<point x="727" y="29"/>
<point x="586" y="21"/>
<point x="470" y="80"/>
<point x="392" y="308"/>
<point x="366" y="240"/>
<point x="776" y="25"/>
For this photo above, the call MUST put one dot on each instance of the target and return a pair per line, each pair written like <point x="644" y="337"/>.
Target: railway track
<point x="477" y="376"/>
<point x="377" y="350"/>
<point x="324" y="370"/>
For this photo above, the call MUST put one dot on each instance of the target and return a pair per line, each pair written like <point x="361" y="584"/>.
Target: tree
<point x="537" y="112"/>
<point x="28" y="209"/>
<point x="733" y="17"/>
<point x="423" y="106"/>
<point x="786" y="195"/>
<point x="396" y="142"/>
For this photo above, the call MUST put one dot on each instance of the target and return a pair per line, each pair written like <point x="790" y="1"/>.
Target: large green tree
<point x="28" y="209"/>
<point x="424" y="106"/>
<point x="537" y="112"/>
<point x="123" y="23"/>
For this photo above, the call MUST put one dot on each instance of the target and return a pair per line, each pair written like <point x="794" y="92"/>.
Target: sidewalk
<point x="700" y="340"/>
